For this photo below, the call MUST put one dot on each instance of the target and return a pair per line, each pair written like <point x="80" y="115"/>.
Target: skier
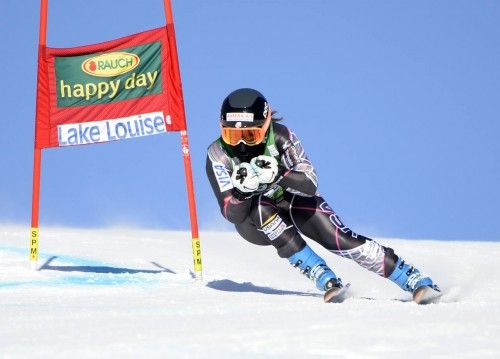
<point x="266" y="186"/>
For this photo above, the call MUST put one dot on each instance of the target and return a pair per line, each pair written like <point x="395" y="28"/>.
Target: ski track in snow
<point x="131" y="293"/>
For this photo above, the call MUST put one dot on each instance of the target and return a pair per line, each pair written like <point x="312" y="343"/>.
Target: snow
<point x="130" y="293"/>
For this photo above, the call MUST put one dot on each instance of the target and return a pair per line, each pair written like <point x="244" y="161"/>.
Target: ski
<point x="427" y="295"/>
<point x="336" y="294"/>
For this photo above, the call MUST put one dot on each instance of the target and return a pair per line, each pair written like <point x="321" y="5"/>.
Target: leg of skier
<point x="270" y="225"/>
<point x="316" y="220"/>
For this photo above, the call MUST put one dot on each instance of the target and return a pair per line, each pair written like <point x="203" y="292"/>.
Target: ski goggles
<point x="250" y="136"/>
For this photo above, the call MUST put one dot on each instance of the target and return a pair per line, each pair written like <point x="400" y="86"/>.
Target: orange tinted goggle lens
<point x="250" y="135"/>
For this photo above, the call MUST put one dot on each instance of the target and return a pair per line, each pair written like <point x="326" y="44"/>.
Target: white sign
<point x="83" y="133"/>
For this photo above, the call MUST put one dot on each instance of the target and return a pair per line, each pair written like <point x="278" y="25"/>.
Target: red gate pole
<point x="37" y="154"/>
<point x="185" y="151"/>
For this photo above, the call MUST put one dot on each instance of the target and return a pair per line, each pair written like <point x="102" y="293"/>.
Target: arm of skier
<point x="234" y="206"/>
<point x="297" y="171"/>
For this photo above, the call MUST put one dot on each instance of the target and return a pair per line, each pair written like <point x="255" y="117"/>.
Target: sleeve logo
<point x="222" y="176"/>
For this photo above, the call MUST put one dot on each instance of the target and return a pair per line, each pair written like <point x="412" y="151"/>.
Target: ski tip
<point x="426" y="295"/>
<point x="336" y="294"/>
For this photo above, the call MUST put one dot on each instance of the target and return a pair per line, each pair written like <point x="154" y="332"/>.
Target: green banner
<point x="103" y="78"/>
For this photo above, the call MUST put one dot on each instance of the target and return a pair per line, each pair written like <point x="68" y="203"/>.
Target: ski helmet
<point x="245" y="117"/>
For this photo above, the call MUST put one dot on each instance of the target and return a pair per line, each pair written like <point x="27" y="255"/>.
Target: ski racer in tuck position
<point x="266" y="185"/>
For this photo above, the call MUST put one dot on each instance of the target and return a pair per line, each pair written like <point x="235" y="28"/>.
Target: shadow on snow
<point x="101" y="269"/>
<point x="227" y="285"/>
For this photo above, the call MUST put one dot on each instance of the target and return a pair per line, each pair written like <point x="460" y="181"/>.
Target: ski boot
<point x="316" y="269"/>
<point x="411" y="280"/>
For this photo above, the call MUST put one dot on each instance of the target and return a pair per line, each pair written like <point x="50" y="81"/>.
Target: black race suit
<point x="280" y="213"/>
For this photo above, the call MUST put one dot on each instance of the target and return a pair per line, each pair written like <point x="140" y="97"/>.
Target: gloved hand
<point x="266" y="168"/>
<point x="244" y="178"/>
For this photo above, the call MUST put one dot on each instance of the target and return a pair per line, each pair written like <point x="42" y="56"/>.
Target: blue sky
<point x="397" y="104"/>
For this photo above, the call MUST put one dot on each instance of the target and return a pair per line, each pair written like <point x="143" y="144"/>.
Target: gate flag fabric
<point x="124" y="88"/>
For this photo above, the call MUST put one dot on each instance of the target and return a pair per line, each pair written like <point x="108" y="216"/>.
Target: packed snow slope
<point x="130" y="294"/>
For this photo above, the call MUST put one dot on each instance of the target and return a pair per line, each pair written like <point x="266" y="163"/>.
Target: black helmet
<point x="244" y="108"/>
<point x="245" y="118"/>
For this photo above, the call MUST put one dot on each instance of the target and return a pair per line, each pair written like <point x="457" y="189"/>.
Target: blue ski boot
<point x="315" y="268"/>
<point x="411" y="280"/>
